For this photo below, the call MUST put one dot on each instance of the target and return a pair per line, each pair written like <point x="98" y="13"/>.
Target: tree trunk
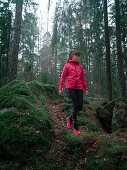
<point x="55" y="65"/>
<point x="8" y="37"/>
<point x="107" y="42"/>
<point x="122" y="81"/>
<point x="13" y="54"/>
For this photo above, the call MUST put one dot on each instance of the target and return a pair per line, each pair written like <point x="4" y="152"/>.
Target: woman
<point x="74" y="87"/>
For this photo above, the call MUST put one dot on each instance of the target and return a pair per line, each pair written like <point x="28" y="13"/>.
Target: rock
<point x="25" y="127"/>
<point x="104" y="114"/>
<point x="119" y="119"/>
<point x="7" y="110"/>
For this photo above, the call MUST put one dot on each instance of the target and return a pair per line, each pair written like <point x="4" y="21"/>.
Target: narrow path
<point x="57" y="153"/>
<point x="58" y="118"/>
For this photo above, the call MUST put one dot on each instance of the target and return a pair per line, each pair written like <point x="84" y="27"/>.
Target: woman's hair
<point x="72" y="53"/>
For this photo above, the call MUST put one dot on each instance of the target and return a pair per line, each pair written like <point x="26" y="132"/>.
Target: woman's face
<point x="75" y="57"/>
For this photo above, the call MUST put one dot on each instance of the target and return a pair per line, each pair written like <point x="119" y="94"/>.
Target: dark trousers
<point x="76" y="97"/>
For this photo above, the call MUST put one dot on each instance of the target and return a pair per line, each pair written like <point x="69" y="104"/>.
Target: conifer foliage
<point x="97" y="29"/>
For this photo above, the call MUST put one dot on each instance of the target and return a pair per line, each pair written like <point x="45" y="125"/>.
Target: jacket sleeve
<point x="83" y="80"/>
<point x="63" y="76"/>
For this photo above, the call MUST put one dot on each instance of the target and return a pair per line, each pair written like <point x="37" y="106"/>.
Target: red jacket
<point x="75" y="76"/>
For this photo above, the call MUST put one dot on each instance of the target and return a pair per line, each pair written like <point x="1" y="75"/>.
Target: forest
<point x="97" y="28"/>
<point x="33" y="116"/>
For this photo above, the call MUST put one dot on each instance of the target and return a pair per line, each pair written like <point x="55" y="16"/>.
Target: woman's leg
<point x="79" y="96"/>
<point x="71" y="93"/>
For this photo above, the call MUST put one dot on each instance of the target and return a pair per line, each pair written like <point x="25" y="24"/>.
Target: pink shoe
<point x="68" y="123"/>
<point x="76" y="132"/>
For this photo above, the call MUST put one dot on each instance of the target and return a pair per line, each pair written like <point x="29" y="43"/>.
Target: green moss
<point x="120" y="102"/>
<point x="111" y="146"/>
<point x="66" y="99"/>
<point x="107" y="141"/>
<point x="24" y="133"/>
<point x="85" y="101"/>
<point x="44" y="90"/>
<point x="82" y="121"/>
<point x="66" y="107"/>
<point x="119" y="114"/>
<point x="83" y="113"/>
<point x="6" y="165"/>
<point x="85" y="122"/>
<point x="93" y="127"/>
<point x="109" y="153"/>
<point x="73" y="143"/>
<point x="27" y="131"/>
<point x="97" y="164"/>
<point x="110" y="106"/>
<point x="115" y="149"/>
<point x="12" y="91"/>
<point x="88" y="133"/>
<point x="90" y="107"/>
<point x="94" y="105"/>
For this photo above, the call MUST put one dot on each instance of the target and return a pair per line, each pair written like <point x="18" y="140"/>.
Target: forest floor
<point x="34" y="140"/>
<point x="57" y="152"/>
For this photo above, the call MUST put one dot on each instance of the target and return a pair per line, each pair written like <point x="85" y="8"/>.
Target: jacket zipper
<point x="76" y="74"/>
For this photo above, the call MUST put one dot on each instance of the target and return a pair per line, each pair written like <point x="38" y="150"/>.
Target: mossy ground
<point x="95" y="149"/>
<point x="25" y="132"/>
<point x="37" y="131"/>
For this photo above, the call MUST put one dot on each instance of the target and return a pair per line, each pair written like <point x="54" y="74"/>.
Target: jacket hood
<point x="74" y="62"/>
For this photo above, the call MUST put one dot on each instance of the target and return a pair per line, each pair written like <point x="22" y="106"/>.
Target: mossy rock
<point x="104" y="114"/>
<point x="109" y="153"/>
<point x="44" y="90"/>
<point x="110" y="106"/>
<point x="24" y="135"/>
<point x="73" y="143"/>
<point x="120" y="114"/>
<point x="25" y="132"/>
<point x="112" y="148"/>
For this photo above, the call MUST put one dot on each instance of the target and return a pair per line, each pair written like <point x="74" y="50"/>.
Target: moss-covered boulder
<point x="119" y="119"/>
<point x="25" y="127"/>
<point x="104" y="114"/>
<point x="73" y="143"/>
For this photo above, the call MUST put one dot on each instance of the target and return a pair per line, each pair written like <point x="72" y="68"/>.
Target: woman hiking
<point x="74" y="87"/>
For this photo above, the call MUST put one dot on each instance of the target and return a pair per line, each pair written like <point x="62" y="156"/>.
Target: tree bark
<point x="55" y="65"/>
<point x="122" y="81"/>
<point x="8" y="37"/>
<point x="107" y="42"/>
<point x="13" y="54"/>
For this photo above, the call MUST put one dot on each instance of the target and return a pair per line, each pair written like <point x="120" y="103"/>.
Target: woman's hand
<point x="60" y="92"/>
<point x="87" y="92"/>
